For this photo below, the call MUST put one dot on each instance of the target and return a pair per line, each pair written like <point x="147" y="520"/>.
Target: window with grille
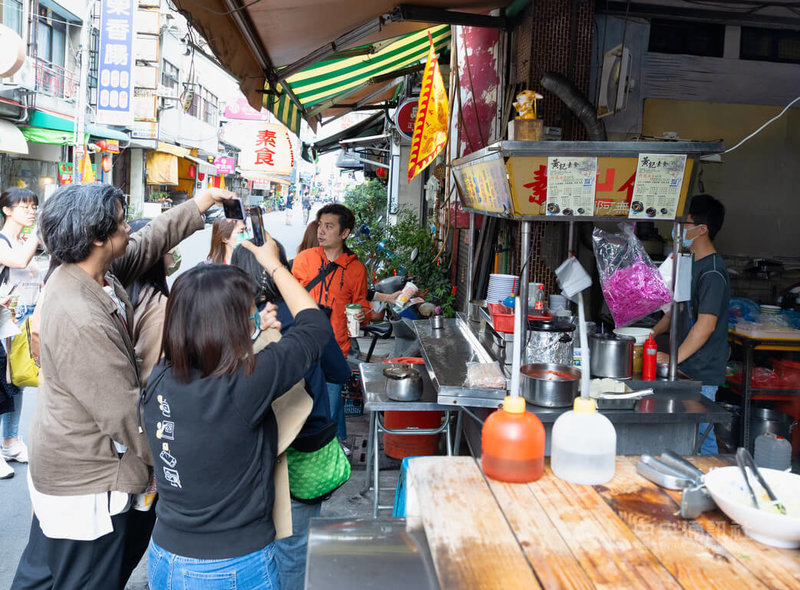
<point x="170" y="78"/>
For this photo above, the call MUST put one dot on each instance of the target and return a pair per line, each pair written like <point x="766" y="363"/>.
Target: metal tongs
<point x="673" y="472"/>
<point x="745" y="459"/>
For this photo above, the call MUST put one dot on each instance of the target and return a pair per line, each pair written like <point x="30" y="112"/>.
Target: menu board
<point x="570" y="186"/>
<point x="484" y="185"/>
<point x="657" y="190"/>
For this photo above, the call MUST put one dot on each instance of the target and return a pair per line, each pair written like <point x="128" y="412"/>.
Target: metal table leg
<point x="459" y="418"/>
<point x="376" y="480"/>
<point x="748" y="395"/>
<point x="370" y="443"/>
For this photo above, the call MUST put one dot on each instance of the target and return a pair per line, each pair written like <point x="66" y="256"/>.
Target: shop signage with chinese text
<point x="115" y="64"/>
<point x="225" y="165"/>
<point x="265" y="147"/>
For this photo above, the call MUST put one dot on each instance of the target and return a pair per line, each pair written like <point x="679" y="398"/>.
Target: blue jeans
<point x="9" y="422"/>
<point x="291" y="552"/>
<point x="337" y="409"/>
<point x="255" y="571"/>
<point x="709" y="446"/>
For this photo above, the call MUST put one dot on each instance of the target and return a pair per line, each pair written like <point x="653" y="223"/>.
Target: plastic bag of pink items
<point x="632" y="286"/>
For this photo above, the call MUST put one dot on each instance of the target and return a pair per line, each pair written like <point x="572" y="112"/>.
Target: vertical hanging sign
<point x="115" y="66"/>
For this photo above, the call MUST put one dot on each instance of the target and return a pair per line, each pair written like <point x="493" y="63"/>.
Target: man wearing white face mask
<point x="703" y="332"/>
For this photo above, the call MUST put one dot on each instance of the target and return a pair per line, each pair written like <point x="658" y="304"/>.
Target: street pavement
<point x="15" y="506"/>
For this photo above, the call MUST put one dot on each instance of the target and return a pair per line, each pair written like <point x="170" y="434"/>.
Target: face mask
<point x="176" y="262"/>
<point x="687" y="243"/>
<point x="242" y="237"/>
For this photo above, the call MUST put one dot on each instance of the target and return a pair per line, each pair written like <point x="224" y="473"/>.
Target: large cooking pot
<point x="762" y="420"/>
<point x="611" y="355"/>
<point x="549" y="341"/>
<point x="403" y="383"/>
<point x="549" y="385"/>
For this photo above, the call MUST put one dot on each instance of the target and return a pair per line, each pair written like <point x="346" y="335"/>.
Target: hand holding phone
<point x="234" y="209"/>
<point x="256" y="223"/>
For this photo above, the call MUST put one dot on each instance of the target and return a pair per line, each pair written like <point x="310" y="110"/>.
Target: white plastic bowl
<point x="726" y="485"/>
<point x="639" y="334"/>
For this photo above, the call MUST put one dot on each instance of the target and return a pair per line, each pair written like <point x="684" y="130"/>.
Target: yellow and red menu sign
<point x="484" y="185"/>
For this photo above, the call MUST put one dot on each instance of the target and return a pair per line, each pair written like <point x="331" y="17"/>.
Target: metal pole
<point x="673" y="326"/>
<point x="523" y="287"/>
<point x="83" y="80"/>
<point x="570" y="238"/>
<point x="470" y="265"/>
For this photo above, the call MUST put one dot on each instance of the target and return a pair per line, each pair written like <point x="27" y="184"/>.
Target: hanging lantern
<point x="201" y="176"/>
<point x="107" y="164"/>
<point x="192" y="171"/>
<point x="381" y="172"/>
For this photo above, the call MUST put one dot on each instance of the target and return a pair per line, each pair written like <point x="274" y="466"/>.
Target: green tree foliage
<point x="367" y="201"/>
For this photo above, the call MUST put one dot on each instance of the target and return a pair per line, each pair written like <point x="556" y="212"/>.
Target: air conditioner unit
<point x="615" y="81"/>
<point x="24" y="77"/>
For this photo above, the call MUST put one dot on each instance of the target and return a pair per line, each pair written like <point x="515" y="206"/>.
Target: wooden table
<point x="553" y="534"/>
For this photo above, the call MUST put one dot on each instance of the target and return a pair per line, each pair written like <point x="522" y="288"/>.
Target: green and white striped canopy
<point x="330" y="81"/>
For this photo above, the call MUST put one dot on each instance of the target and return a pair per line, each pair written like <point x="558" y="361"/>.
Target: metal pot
<point x="762" y="420"/>
<point x="403" y="383"/>
<point x="549" y="341"/>
<point x="549" y="385"/>
<point x="611" y="355"/>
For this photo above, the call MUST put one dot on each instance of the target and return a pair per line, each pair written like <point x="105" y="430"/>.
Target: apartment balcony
<point x="53" y="80"/>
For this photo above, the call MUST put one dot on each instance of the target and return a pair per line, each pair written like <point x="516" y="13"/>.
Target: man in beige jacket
<point x="88" y="458"/>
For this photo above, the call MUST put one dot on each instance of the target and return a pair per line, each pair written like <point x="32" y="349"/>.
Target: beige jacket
<point x="90" y="390"/>
<point x="148" y="327"/>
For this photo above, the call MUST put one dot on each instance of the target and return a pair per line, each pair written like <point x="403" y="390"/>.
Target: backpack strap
<point x="321" y="276"/>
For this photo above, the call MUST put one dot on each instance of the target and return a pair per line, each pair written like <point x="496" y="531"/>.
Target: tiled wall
<point x="549" y="37"/>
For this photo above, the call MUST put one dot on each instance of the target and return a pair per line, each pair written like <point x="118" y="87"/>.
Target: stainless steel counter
<point x="368" y="554"/>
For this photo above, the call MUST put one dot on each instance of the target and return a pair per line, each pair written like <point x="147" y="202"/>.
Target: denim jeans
<point x="291" y="551"/>
<point x="337" y="409"/>
<point x="9" y="422"/>
<point x="255" y="571"/>
<point x="709" y="446"/>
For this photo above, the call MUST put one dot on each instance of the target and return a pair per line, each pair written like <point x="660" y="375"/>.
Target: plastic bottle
<point x="649" y="362"/>
<point x="584" y="445"/>
<point x="510" y="301"/>
<point x="512" y="443"/>
<point x="773" y="451"/>
<point x="539" y="305"/>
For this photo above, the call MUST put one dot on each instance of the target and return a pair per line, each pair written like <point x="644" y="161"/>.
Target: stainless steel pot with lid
<point x="403" y="383"/>
<point x="549" y="341"/>
<point x="611" y="355"/>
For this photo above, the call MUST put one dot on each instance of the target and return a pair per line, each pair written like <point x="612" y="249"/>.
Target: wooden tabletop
<point x="485" y="534"/>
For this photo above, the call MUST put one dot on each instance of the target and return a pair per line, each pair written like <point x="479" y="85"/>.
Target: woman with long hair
<point x="19" y="207"/>
<point x="207" y="411"/>
<point x="318" y="429"/>
<point x="310" y="239"/>
<point x="226" y="234"/>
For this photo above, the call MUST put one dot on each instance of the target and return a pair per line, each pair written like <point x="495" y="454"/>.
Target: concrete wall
<point x="702" y="98"/>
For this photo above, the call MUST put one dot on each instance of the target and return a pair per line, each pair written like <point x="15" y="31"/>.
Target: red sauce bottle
<point x="649" y="361"/>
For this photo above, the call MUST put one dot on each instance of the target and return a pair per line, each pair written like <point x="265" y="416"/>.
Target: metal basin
<point x="549" y="385"/>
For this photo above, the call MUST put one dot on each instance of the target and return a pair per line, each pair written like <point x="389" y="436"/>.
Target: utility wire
<point x="754" y="133"/>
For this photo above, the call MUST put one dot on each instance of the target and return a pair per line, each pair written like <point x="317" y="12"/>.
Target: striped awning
<point x="332" y="81"/>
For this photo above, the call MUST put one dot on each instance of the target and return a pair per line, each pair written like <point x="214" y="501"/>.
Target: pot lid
<point x="611" y="336"/>
<point x="401" y="372"/>
<point x="550" y="326"/>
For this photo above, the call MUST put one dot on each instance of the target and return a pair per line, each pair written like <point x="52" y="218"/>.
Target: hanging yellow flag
<point x="87" y="174"/>
<point x="430" y="125"/>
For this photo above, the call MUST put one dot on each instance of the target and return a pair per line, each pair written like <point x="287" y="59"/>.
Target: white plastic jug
<point x="584" y="445"/>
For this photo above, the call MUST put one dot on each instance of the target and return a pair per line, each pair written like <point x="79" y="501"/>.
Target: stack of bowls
<point x="500" y="287"/>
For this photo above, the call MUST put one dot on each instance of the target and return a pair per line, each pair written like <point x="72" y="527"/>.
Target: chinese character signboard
<point x="265" y="147"/>
<point x="225" y="165"/>
<point x="613" y="191"/>
<point x="570" y="185"/>
<point x="64" y="173"/>
<point x="484" y="186"/>
<point x="115" y="66"/>
<point x="659" y="178"/>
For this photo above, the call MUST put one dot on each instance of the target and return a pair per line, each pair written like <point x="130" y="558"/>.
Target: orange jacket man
<point x="339" y="278"/>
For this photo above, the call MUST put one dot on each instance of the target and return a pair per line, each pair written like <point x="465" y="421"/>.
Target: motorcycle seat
<point x="382" y="331"/>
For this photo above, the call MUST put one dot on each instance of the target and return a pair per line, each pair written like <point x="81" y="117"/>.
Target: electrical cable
<point x="227" y="12"/>
<point x="775" y="118"/>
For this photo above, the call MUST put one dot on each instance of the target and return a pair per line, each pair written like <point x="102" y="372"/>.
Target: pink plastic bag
<point x="632" y="286"/>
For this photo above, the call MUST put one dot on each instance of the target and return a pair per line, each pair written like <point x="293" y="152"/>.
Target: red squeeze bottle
<point x="649" y="361"/>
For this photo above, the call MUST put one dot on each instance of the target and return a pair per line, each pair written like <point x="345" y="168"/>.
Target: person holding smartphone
<point x="89" y="460"/>
<point x="210" y="424"/>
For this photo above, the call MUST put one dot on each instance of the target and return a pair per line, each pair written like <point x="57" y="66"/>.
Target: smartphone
<point x="234" y="208"/>
<point x="256" y="225"/>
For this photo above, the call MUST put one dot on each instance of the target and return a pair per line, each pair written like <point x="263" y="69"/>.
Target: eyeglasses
<point x="28" y="207"/>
